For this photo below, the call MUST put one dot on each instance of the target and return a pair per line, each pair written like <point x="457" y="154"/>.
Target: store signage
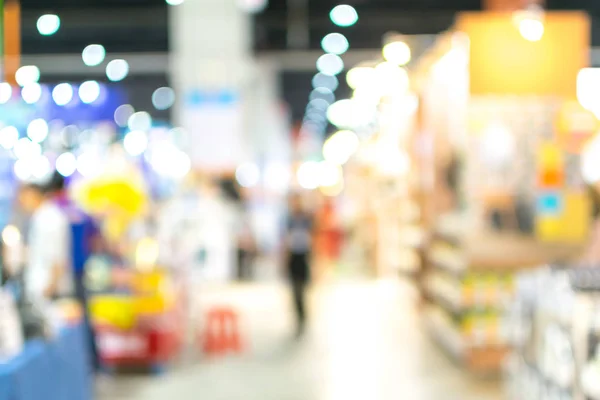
<point x="114" y="345"/>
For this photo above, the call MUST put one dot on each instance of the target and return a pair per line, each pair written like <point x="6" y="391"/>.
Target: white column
<point x="210" y="55"/>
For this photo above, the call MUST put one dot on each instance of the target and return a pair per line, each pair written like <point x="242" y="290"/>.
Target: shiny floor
<point x="365" y="342"/>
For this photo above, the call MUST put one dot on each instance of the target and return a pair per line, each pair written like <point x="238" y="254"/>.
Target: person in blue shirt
<point x="85" y="240"/>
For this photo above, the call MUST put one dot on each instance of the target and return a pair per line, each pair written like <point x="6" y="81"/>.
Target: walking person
<point x="298" y="254"/>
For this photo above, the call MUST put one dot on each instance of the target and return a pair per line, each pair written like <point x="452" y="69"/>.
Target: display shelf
<point x="487" y="251"/>
<point x="477" y="356"/>
<point x="454" y="294"/>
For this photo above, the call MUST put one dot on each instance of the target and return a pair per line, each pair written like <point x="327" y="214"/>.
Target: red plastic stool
<point x="221" y="333"/>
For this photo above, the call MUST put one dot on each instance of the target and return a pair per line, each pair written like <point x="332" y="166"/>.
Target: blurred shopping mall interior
<point x="300" y="199"/>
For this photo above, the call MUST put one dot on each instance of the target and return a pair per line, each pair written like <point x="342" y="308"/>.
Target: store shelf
<point x="450" y="293"/>
<point x="476" y="356"/>
<point x="447" y="258"/>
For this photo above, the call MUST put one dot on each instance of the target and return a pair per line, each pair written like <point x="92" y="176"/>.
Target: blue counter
<point x="55" y="370"/>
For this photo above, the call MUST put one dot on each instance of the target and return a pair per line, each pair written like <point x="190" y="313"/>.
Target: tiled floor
<point x="365" y="343"/>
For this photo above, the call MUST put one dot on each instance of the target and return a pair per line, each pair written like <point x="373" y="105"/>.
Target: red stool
<point x="221" y="334"/>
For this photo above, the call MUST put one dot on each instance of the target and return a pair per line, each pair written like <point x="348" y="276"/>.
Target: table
<point x="55" y="370"/>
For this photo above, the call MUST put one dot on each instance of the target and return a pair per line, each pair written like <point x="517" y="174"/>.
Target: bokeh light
<point x="40" y="167"/>
<point x="37" y="130"/>
<point x="22" y="170"/>
<point x="531" y="29"/>
<point x="31" y="93"/>
<point x="66" y="164"/>
<point x="89" y="92"/>
<point x="9" y="135"/>
<point x="163" y="98"/>
<point x="135" y="142"/>
<point x="309" y="175"/>
<point x="26" y="149"/>
<point x="175" y="2"/>
<point x="88" y="165"/>
<point x="322" y="93"/>
<point x="340" y="147"/>
<point x="48" y="24"/>
<point x="321" y="80"/>
<point x="123" y="113"/>
<point x="361" y="76"/>
<point x="140" y="121"/>
<point x="93" y="55"/>
<point x="335" y="43"/>
<point x="247" y="175"/>
<point x="397" y="52"/>
<point x="27" y="74"/>
<point x="344" y="15"/>
<point x="5" y="92"/>
<point x="117" y="70"/>
<point x="330" y="64"/>
<point x="62" y="94"/>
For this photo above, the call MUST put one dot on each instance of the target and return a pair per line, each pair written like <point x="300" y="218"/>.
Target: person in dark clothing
<point x="298" y="246"/>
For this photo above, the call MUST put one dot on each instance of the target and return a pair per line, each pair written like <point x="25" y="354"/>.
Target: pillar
<point x="211" y="45"/>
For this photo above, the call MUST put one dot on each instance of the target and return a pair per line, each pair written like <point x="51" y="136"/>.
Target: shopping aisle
<point x="365" y="343"/>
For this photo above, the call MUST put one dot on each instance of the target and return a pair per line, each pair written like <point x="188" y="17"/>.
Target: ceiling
<point x="128" y="26"/>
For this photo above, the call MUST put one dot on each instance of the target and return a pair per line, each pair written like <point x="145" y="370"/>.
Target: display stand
<point x="501" y="194"/>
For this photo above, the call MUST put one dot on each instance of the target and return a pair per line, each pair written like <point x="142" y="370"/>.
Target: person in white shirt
<point x="47" y="273"/>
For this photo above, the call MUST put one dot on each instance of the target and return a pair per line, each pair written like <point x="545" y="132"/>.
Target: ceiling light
<point x="62" y="94"/>
<point x="335" y="43"/>
<point x="344" y="15"/>
<point x="89" y="92"/>
<point x="330" y="64"/>
<point x="5" y="92"/>
<point x="37" y="130"/>
<point x="163" y="98"/>
<point x="27" y="74"/>
<point x="48" y="24"/>
<point x="93" y="55"/>
<point x="117" y="70"/>
<point x="325" y="81"/>
<point x="31" y="93"/>
<point x="397" y="52"/>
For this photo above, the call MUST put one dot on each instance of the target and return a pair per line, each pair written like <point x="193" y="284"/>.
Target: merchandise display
<point x="503" y="191"/>
<point x="552" y="328"/>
